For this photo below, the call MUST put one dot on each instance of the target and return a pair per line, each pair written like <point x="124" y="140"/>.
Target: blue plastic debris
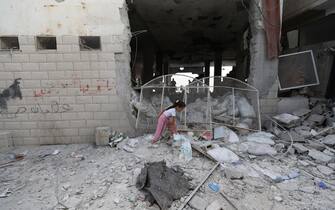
<point x="322" y="185"/>
<point x="215" y="187"/>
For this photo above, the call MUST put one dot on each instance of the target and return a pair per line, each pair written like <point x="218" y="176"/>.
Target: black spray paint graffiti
<point x="12" y="92"/>
<point x="54" y="107"/>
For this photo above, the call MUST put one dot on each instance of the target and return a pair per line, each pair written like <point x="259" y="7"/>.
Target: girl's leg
<point x="161" y="124"/>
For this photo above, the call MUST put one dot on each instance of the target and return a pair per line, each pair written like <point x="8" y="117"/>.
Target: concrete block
<point x="70" y="40"/>
<point x="54" y="57"/>
<point x="62" y="124"/>
<point x="39" y="75"/>
<point x="106" y="56"/>
<point x="101" y="115"/>
<point x="84" y="115"/>
<point x="26" y="40"/>
<point x="100" y="99"/>
<point x="30" y="67"/>
<point x="31" y="83"/>
<point x="102" y="135"/>
<point x="93" y="107"/>
<point x="64" y="47"/>
<point x="47" y="66"/>
<point x="7" y="75"/>
<point x="90" y="74"/>
<point x="31" y="141"/>
<point x="107" y="74"/>
<point x="28" y="48"/>
<point x="71" y="57"/>
<point x="20" y="58"/>
<point x="13" y="67"/>
<point x="99" y="65"/>
<point x="23" y="75"/>
<point x="56" y="75"/>
<point x="84" y="99"/>
<point x="319" y="156"/>
<point x="86" y="131"/>
<point x="38" y="58"/>
<point x="109" y="107"/>
<point x="67" y="100"/>
<point x="64" y="66"/>
<point x="93" y="123"/>
<point x="77" y="123"/>
<point x="6" y="139"/>
<point x="5" y="58"/>
<point x="69" y="116"/>
<point x="81" y="66"/>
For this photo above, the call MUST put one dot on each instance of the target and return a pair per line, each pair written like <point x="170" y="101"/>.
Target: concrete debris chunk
<point x="317" y="119"/>
<point x="301" y="149"/>
<point x="128" y="149"/>
<point x="329" y="140"/>
<point x="198" y="203"/>
<point x="295" y="137"/>
<point x="233" y="173"/>
<point x="215" y="205"/>
<point x="223" y="155"/>
<point x="319" y="156"/>
<point x="226" y="134"/>
<point x="132" y="142"/>
<point x="287" y="120"/>
<point x="325" y="170"/>
<point x="316" y="145"/>
<point x="261" y="137"/>
<point x="291" y="104"/>
<point x="102" y="135"/>
<point x="301" y="112"/>
<point x="254" y="148"/>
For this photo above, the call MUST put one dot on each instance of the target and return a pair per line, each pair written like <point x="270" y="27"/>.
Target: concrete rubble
<point x="282" y="167"/>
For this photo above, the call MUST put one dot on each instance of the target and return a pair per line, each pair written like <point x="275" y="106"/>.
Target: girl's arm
<point x="173" y="125"/>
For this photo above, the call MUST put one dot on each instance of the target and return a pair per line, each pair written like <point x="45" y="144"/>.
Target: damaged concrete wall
<point x="263" y="71"/>
<point x="66" y="92"/>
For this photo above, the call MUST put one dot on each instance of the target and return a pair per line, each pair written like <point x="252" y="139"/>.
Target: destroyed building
<point x="256" y="76"/>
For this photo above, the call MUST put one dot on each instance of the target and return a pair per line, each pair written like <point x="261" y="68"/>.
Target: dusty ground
<point x="105" y="179"/>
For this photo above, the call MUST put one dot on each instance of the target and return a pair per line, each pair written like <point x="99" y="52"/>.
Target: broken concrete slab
<point x="329" y="140"/>
<point x="261" y="137"/>
<point x="301" y="149"/>
<point x="290" y="104"/>
<point x="254" y="148"/>
<point x="198" y="203"/>
<point x="317" y="119"/>
<point x="301" y="112"/>
<point x="223" y="155"/>
<point x="319" y="156"/>
<point x="320" y="108"/>
<point x="325" y="170"/>
<point x="316" y="145"/>
<point x="215" y="205"/>
<point x="225" y="133"/>
<point x="287" y="120"/>
<point x="304" y="131"/>
<point x="295" y="137"/>
<point x="232" y="173"/>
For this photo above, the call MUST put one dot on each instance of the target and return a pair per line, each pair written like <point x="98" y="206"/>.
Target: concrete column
<point x="207" y="66"/>
<point x="218" y="63"/>
<point x="263" y="72"/>
<point x="166" y="67"/>
<point x="159" y="64"/>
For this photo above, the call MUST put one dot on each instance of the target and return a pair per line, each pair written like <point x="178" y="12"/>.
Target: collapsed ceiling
<point x="191" y="27"/>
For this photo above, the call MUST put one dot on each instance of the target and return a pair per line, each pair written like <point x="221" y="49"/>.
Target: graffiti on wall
<point x="53" y="107"/>
<point x="12" y="92"/>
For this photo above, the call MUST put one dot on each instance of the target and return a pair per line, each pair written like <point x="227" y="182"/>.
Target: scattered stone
<point x="233" y="173"/>
<point x="317" y="119"/>
<point x="128" y="149"/>
<point x="279" y="147"/>
<point x="278" y="198"/>
<point x="319" y="109"/>
<point x="328" y="152"/>
<point x="287" y="120"/>
<point x="329" y="140"/>
<point x="132" y="142"/>
<point x="291" y="104"/>
<point x="215" y="205"/>
<point x="319" y="156"/>
<point x="325" y="170"/>
<point x="116" y="200"/>
<point x="303" y="163"/>
<point x="295" y="137"/>
<point x="304" y="131"/>
<point x="226" y="134"/>
<point x="261" y="137"/>
<point x="331" y="165"/>
<point x="301" y="149"/>
<point x="316" y="145"/>
<point x="198" y="203"/>
<point x="254" y="148"/>
<point x="307" y="189"/>
<point x="223" y="155"/>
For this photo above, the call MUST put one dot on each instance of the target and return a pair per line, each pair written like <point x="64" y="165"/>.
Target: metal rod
<point x="226" y="198"/>
<point x="197" y="188"/>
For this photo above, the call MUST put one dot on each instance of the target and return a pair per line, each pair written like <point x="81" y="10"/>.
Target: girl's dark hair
<point x="177" y="103"/>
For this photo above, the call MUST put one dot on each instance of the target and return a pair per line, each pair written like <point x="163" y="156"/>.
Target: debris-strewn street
<point x="89" y="177"/>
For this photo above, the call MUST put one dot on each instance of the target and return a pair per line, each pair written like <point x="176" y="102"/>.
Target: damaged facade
<point x="74" y="69"/>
